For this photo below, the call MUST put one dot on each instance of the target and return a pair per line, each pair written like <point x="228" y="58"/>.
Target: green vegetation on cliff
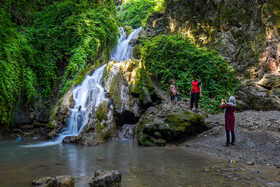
<point x="135" y="12"/>
<point x="46" y="46"/>
<point x="173" y="57"/>
<point x="17" y="80"/>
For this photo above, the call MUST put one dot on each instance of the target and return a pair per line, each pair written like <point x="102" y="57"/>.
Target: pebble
<point x="256" y="171"/>
<point x="232" y="161"/>
<point x="206" y="170"/>
<point x="251" y="163"/>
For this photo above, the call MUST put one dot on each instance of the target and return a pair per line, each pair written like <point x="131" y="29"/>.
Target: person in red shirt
<point x="196" y="91"/>
<point x="229" y="119"/>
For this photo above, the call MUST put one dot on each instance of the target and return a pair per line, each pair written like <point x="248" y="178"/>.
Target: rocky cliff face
<point x="129" y="92"/>
<point x="244" y="32"/>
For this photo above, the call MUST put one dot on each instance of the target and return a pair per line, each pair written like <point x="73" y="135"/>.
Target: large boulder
<point x="130" y="89"/>
<point x="106" y="179"/>
<point x="58" y="181"/>
<point x="161" y="125"/>
<point x="254" y="98"/>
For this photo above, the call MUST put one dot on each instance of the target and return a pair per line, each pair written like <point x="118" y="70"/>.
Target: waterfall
<point x="90" y="92"/>
<point x="124" y="49"/>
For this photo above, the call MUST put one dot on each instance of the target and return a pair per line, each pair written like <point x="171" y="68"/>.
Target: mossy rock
<point x="151" y="141"/>
<point x="115" y="89"/>
<point x="103" y="131"/>
<point x="142" y="85"/>
<point x="129" y="66"/>
<point x="102" y="110"/>
<point x="137" y="51"/>
<point x="128" y="30"/>
<point x="159" y="129"/>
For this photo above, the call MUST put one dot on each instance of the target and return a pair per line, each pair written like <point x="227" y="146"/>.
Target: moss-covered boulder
<point x="102" y="110"/>
<point x="159" y="126"/>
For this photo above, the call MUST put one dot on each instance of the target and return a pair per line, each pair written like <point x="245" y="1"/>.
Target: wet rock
<point x="256" y="171"/>
<point x="250" y="163"/>
<point x="52" y="135"/>
<point x="70" y="139"/>
<point x="58" y="181"/>
<point x="106" y="179"/>
<point x="60" y="113"/>
<point x="126" y="132"/>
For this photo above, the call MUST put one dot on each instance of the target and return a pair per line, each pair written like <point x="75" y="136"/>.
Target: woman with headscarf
<point x="229" y="119"/>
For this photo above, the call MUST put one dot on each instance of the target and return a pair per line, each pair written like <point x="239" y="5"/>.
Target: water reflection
<point x="140" y="166"/>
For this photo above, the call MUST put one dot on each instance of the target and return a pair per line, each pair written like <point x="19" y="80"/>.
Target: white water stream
<point x="123" y="50"/>
<point x="90" y="92"/>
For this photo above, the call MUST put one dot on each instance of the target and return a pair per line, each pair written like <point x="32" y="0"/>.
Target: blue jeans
<point x="176" y="99"/>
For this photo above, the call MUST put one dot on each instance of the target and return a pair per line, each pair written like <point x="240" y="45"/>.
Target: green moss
<point x="102" y="110"/>
<point x="142" y="85"/>
<point x="128" y="30"/>
<point x="174" y="126"/>
<point x="103" y="132"/>
<point x="137" y="51"/>
<point x="129" y="66"/>
<point x="50" y="125"/>
<point x="115" y="90"/>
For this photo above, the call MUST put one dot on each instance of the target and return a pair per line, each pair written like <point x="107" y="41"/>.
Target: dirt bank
<point x="257" y="138"/>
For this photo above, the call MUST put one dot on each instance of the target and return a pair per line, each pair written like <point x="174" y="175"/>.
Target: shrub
<point x="173" y="57"/>
<point x="135" y="12"/>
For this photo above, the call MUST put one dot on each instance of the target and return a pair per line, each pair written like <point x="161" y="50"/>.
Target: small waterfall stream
<point x="124" y="49"/>
<point x="90" y="92"/>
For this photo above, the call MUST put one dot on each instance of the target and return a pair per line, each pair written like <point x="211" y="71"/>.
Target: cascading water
<point x="88" y="94"/>
<point x="124" y="49"/>
<point x="91" y="93"/>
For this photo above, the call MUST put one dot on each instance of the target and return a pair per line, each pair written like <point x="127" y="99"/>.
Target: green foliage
<point x="172" y="57"/>
<point x="68" y="36"/>
<point x="17" y="80"/>
<point x="46" y="46"/>
<point x="135" y="12"/>
<point x="143" y="84"/>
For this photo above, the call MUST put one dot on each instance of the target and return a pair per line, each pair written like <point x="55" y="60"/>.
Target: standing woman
<point x="173" y="91"/>
<point x="229" y="119"/>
